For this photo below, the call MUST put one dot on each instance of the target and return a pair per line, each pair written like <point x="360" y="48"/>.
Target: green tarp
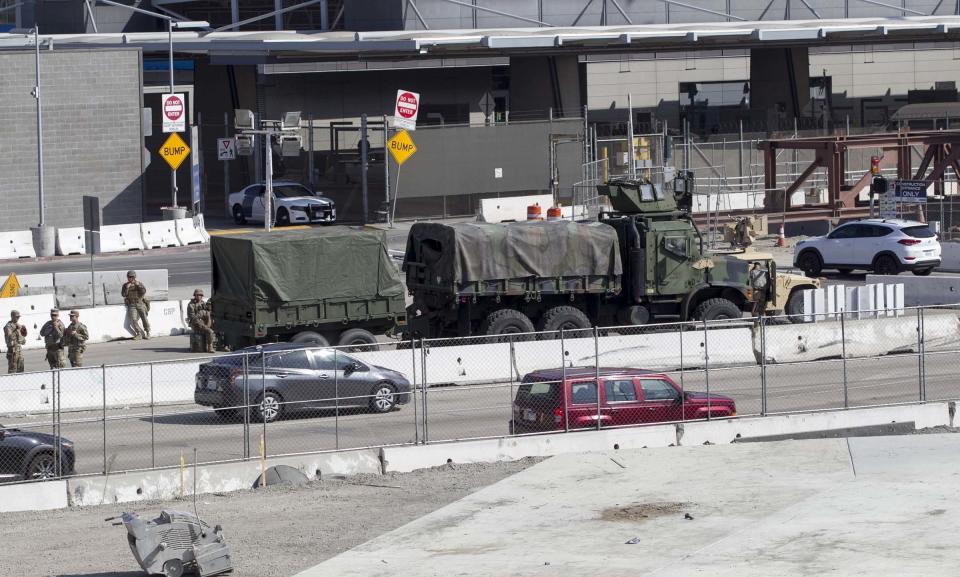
<point x="470" y="252"/>
<point x="300" y="266"/>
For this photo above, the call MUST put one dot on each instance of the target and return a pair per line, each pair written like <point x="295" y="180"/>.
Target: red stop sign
<point x="173" y="108"/>
<point x="407" y="104"/>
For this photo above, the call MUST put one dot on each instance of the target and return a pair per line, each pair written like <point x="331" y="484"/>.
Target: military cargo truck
<point x="642" y="262"/>
<point x="318" y="286"/>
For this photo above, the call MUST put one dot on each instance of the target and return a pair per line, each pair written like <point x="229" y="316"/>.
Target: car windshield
<point x="290" y="191"/>
<point x="921" y="231"/>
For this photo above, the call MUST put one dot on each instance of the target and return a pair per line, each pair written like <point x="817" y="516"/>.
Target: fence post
<point x="57" y="455"/>
<point x="921" y="357"/>
<point x="512" y="363"/>
<point x="413" y="399"/>
<point x="336" y="400"/>
<point x="683" y="390"/>
<point x="596" y="369"/>
<point x="246" y="406"/>
<point x="263" y="393"/>
<point x="153" y="443"/>
<point x="103" y="382"/>
<point x="563" y="381"/>
<point x="843" y="356"/>
<point x="763" y="366"/>
<point x="706" y="367"/>
<point x="423" y="375"/>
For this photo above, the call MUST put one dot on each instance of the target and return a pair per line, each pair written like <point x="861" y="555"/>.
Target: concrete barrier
<point x="71" y="240"/>
<point x="33" y="496"/>
<point x="512" y="208"/>
<point x="27" y="305"/>
<point x="949" y="257"/>
<point x="16" y="244"/>
<point x="919" y="291"/>
<point x="191" y="230"/>
<point x="120" y="238"/>
<point x="36" y="284"/>
<point x="865" y="338"/>
<point x="73" y="290"/>
<point x="165" y="483"/>
<point x="159" y="234"/>
<point x="871" y="301"/>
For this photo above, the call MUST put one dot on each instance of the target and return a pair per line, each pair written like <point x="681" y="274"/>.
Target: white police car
<point x="884" y="246"/>
<point x="292" y="203"/>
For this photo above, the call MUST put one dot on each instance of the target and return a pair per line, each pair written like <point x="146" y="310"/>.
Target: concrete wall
<point x="92" y="136"/>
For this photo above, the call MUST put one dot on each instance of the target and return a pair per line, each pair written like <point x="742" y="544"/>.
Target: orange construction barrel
<point x="554" y="213"/>
<point x="534" y="212"/>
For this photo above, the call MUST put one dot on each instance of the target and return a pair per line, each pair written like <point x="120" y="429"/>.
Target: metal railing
<point x="270" y="402"/>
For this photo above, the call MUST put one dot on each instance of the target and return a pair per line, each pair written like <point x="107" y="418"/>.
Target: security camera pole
<point x="287" y="132"/>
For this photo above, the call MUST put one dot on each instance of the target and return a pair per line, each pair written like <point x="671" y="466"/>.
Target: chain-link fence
<point x="284" y="399"/>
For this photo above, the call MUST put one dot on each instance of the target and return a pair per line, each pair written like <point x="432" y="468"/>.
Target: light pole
<point x="44" y="237"/>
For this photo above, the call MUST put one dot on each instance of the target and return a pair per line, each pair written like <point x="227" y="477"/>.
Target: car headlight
<point x="299" y="208"/>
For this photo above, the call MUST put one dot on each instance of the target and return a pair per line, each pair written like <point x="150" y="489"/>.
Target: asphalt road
<point x="137" y="439"/>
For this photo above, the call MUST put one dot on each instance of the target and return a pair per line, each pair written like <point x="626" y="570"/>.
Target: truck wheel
<point x="717" y="309"/>
<point x="794" y="307"/>
<point x="310" y="338"/>
<point x="564" y="318"/>
<point x="359" y="340"/>
<point x="507" y="322"/>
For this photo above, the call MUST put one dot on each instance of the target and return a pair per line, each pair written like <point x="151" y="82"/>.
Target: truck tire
<point x="507" y="322"/>
<point x="794" y="307"/>
<point x="564" y="318"/>
<point x="717" y="309"/>
<point x="310" y="338"/>
<point x="359" y="339"/>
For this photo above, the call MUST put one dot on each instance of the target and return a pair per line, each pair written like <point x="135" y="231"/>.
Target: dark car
<point x="288" y="377"/>
<point x="545" y="400"/>
<point x="26" y="455"/>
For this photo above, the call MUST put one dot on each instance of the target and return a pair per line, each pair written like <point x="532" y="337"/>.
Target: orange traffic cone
<point x="782" y="239"/>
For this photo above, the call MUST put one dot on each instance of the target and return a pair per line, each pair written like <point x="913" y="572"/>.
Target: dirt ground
<point x="273" y="532"/>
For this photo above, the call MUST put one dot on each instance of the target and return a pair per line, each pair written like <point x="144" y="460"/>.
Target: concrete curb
<point x="33" y="496"/>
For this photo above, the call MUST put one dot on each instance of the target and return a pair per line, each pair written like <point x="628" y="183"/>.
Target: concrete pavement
<point x="863" y="506"/>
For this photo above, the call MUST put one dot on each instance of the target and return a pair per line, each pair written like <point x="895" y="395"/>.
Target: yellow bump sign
<point x="11" y="287"/>
<point x="174" y="151"/>
<point x="401" y="147"/>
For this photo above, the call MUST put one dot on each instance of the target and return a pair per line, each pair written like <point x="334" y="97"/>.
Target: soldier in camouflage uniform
<point x="75" y="337"/>
<point x="52" y="333"/>
<point x="134" y="297"/>
<point x="15" y="336"/>
<point x="199" y="321"/>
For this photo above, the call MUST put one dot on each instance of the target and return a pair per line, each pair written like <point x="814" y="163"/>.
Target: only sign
<point x="405" y="113"/>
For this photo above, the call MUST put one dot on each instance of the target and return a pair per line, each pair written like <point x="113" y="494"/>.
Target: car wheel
<point x="238" y="215"/>
<point x="359" y="340"/>
<point x="283" y="217"/>
<point x="269" y="407"/>
<point x="310" y="338"/>
<point x="227" y="414"/>
<point x="810" y="263"/>
<point x="886" y="265"/>
<point x="923" y="272"/>
<point x="507" y="322"/>
<point x="565" y="318"/>
<point x="173" y="568"/>
<point x="794" y="307"/>
<point x="717" y="309"/>
<point x="383" y="399"/>
<point x="43" y="466"/>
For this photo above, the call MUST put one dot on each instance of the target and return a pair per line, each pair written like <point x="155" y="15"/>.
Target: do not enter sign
<point x="405" y="113"/>
<point x="173" y="111"/>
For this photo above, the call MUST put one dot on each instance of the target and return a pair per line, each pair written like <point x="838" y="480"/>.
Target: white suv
<point x="882" y="246"/>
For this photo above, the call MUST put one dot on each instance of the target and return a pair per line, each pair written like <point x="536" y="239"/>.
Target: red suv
<point x="626" y="396"/>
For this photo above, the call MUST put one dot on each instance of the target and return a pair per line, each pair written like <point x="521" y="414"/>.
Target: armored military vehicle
<point x="324" y="286"/>
<point x="642" y="262"/>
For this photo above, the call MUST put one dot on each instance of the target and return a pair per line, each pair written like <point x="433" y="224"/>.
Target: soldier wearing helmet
<point x="135" y="298"/>
<point x="15" y="336"/>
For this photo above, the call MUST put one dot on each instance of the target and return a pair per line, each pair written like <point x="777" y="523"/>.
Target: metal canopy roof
<point x="349" y="46"/>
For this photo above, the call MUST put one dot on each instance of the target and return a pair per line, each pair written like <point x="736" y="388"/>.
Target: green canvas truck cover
<point x="470" y="252"/>
<point x="301" y="266"/>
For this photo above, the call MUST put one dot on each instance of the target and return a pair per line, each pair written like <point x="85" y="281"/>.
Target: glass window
<point x="845" y="231"/>
<point x="881" y="230"/>
<point x="620" y="390"/>
<point x="676" y="245"/>
<point x="254" y="191"/>
<point x="288" y="360"/>
<point x="658" y="390"/>
<point x="544" y="393"/>
<point x="583" y="392"/>
<point x="291" y="191"/>
<point x="328" y="360"/>
<point x="918" y="231"/>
